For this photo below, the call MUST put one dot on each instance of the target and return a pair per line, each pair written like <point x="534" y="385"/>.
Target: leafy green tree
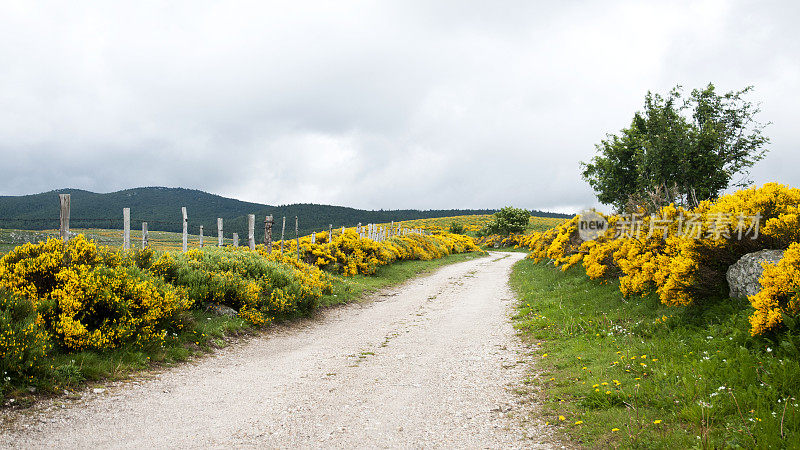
<point x="506" y="221"/>
<point x="679" y="150"/>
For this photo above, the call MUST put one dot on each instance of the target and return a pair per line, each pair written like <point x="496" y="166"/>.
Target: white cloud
<point x="367" y="104"/>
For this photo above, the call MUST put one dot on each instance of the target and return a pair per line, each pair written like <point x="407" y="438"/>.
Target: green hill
<point x="160" y="207"/>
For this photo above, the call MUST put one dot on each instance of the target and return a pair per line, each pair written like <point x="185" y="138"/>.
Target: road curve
<point x="428" y="363"/>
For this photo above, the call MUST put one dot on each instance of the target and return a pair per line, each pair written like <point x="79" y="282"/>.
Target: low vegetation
<point x="640" y="344"/>
<point x="635" y="373"/>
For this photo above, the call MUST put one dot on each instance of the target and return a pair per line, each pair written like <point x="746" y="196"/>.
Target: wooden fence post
<point x="297" y="235"/>
<point x="201" y="236"/>
<point x="268" y="233"/>
<point x="283" y="228"/>
<point x="64" y="201"/>
<point x="185" y="241"/>
<point x="219" y="231"/>
<point x="144" y="235"/>
<point x="126" y="231"/>
<point x="235" y="239"/>
<point x="251" y="231"/>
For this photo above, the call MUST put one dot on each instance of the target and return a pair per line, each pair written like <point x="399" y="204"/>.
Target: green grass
<point x="633" y="373"/>
<point x="505" y="249"/>
<point x="354" y="288"/>
<point x="202" y="333"/>
<point x="9" y="239"/>
<point x="158" y="240"/>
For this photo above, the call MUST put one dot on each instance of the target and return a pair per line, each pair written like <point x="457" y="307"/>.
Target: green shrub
<point x="258" y="288"/>
<point x="22" y="343"/>
<point x="456" y="228"/>
<point x="506" y="221"/>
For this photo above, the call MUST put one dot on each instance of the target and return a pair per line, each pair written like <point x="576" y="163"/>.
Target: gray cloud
<point x="367" y="104"/>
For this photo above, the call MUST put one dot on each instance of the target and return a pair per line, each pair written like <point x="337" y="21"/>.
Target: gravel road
<point x="429" y="363"/>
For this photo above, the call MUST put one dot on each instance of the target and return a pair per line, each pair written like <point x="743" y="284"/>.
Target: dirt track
<point x="429" y="363"/>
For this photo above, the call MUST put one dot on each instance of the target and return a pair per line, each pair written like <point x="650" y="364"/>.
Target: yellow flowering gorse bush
<point x="89" y="297"/>
<point x="683" y="254"/>
<point x="349" y="254"/>
<point x="780" y="296"/>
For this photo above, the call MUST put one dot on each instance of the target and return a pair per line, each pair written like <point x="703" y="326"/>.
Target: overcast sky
<point x="406" y="104"/>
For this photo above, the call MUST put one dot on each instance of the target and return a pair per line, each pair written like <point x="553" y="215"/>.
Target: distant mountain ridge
<point x="160" y="207"/>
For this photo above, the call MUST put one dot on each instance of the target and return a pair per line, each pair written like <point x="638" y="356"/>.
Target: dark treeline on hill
<point x="161" y="208"/>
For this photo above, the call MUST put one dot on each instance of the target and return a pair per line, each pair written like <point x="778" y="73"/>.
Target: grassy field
<point x="474" y="223"/>
<point x="158" y="240"/>
<point x="208" y="332"/>
<point x="357" y="287"/>
<point x="632" y="373"/>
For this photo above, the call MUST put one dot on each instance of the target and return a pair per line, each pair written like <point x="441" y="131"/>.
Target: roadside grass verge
<point x="512" y="249"/>
<point x="633" y="373"/>
<point x="353" y="288"/>
<point x="202" y="333"/>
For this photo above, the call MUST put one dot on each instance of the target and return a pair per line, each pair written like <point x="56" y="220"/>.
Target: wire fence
<point x="15" y="232"/>
<point x="130" y="231"/>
